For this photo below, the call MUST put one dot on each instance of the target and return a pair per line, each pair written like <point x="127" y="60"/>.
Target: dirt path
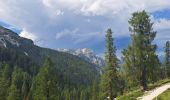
<point x="149" y="95"/>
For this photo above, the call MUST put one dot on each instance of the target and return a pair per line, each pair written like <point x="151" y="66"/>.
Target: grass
<point x="157" y="84"/>
<point x="138" y="92"/>
<point x="164" y="96"/>
<point x="131" y="96"/>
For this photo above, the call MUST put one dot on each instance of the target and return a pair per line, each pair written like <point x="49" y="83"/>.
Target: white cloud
<point x="67" y="32"/>
<point x="28" y="35"/>
<point x="104" y="7"/>
<point x="88" y="37"/>
<point x="162" y="24"/>
<point x="83" y="21"/>
<point x="62" y="4"/>
<point x="76" y="35"/>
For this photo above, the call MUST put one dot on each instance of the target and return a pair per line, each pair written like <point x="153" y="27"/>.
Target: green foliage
<point x="131" y="96"/>
<point x="158" y="83"/>
<point x="82" y="95"/>
<point x="73" y="76"/>
<point x="25" y="89"/>
<point x="95" y="91"/>
<point x="3" y="89"/>
<point x="167" y="59"/>
<point x="109" y="79"/>
<point x="135" y="92"/>
<point x="140" y="57"/>
<point x="14" y="91"/>
<point x="74" y="70"/>
<point x="4" y="81"/>
<point x="46" y="83"/>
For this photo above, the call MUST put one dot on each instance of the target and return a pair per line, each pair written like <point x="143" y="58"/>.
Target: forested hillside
<point x="21" y="62"/>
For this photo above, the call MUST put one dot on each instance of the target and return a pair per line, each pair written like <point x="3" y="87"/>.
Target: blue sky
<point x="82" y="23"/>
<point x="165" y="13"/>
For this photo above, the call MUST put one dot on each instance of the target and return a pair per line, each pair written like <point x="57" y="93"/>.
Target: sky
<point x="76" y="24"/>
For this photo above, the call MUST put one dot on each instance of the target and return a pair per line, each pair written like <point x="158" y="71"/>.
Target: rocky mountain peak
<point x="86" y="54"/>
<point x="85" y="51"/>
<point x="10" y="38"/>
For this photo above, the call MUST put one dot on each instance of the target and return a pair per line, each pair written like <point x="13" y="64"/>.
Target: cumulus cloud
<point x="67" y="32"/>
<point x="64" y="23"/>
<point x="162" y="24"/>
<point x="103" y="7"/>
<point x="77" y="37"/>
<point x="28" y="35"/>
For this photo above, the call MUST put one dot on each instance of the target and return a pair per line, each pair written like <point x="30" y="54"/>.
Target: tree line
<point x="47" y="84"/>
<point x="141" y="64"/>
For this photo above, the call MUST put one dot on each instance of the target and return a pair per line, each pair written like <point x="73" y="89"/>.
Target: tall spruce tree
<point x="140" y="57"/>
<point x="95" y="91"/>
<point x="15" y="88"/>
<point x="45" y="86"/>
<point x="5" y="75"/>
<point x="25" y="90"/>
<point x="167" y="58"/>
<point x="109" y="78"/>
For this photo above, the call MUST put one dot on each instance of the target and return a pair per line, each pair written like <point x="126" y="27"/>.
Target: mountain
<point x="22" y="52"/>
<point x="9" y="38"/>
<point x="88" y="55"/>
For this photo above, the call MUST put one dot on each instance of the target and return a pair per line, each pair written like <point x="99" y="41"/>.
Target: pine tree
<point x="95" y="91"/>
<point x="67" y="94"/>
<point x="15" y="88"/>
<point x="83" y="95"/>
<point x="130" y="67"/>
<point x="46" y="84"/>
<point x="3" y="89"/>
<point x="25" y="90"/>
<point x="14" y="93"/>
<point x="74" y="94"/>
<point x="109" y="78"/>
<point x="140" y="57"/>
<point x="167" y="58"/>
<point x="7" y="73"/>
<point x="4" y="81"/>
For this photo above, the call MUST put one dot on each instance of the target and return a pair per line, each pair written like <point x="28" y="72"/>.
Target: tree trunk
<point x="143" y="79"/>
<point x="110" y="93"/>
